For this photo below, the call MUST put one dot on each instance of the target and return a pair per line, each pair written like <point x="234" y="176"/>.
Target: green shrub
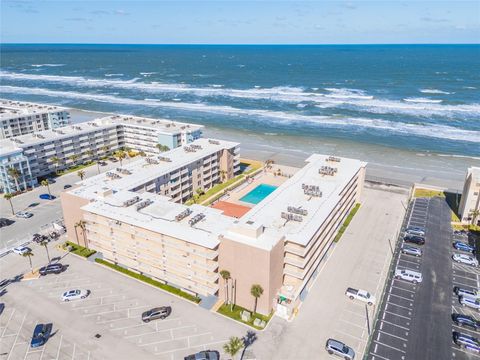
<point x="79" y="250"/>
<point x="150" y="281"/>
<point x="346" y="222"/>
<point x="237" y="310"/>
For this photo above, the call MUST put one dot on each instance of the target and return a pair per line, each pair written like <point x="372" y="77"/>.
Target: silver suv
<point x="335" y="347"/>
<point x="411" y="250"/>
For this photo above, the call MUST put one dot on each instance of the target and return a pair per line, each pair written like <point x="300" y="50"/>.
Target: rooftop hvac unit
<point x="112" y="175"/>
<point x="183" y="215"/>
<point x="327" y="170"/>
<point x="297" y="210"/>
<point x="144" y="204"/>
<point x="189" y="149"/>
<point x="131" y="201"/>
<point x="333" y="159"/>
<point x="214" y="142"/>
<point x="164" y="158"/>
<point x="196" y="147"/>
<point x="311" y="190"/>
<point x="151" y="160"/>
<point x="196" y="219"/>
<point x="291" y="217"/>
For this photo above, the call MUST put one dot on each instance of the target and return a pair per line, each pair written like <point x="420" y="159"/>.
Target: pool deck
<point x="268" y="176"/>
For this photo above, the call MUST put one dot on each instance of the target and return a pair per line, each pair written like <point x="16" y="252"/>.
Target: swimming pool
<point x="258" y="194"/>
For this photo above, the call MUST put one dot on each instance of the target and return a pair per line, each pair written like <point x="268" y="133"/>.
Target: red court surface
<point x="230" y="209"/>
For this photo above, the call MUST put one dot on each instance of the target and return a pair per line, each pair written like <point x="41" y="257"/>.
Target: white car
<point x="465" y="259"/>
<point x="408" y="275"/>
<point x="75" y="294"/>
<point x="470" y="302"/>
<point x="24" y="214"/>
<point x="22" y="250"/>
<point x="361" y="295"/>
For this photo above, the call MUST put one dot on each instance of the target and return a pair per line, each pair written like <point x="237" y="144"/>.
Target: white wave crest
<point x="147" y="73"/>
<point x="109" y="75"/>
<point x="423" y="100"/>
<point x="434" y="91"/>
<point x="422" y="130"/>
<point x="46" y="65"/>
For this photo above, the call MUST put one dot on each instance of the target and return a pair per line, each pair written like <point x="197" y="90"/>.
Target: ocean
<point x="408" y="106"/>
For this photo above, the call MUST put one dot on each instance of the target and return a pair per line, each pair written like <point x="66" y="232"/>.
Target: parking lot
<point x="112" y="310"/>
<point x="415" y="320"/>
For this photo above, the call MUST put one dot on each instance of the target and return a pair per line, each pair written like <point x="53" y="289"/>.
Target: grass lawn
<point x="428" y="193"/>
<point x="79" y="250"/>
<point x="75" y="168"/>
<point x="346" y="222"/>
<point x="148" y="280"/>
<point x="235" y="315"/>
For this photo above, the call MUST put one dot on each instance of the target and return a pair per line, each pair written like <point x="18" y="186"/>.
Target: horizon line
<point x="233" y="44"/>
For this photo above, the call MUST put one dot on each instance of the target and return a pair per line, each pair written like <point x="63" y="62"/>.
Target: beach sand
<point x="385" y="164"/>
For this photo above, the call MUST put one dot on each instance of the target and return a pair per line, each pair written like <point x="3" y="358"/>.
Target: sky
<point x="239" y="22"/>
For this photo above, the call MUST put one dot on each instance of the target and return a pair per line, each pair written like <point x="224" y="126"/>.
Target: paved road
<point x="45" y="211"/>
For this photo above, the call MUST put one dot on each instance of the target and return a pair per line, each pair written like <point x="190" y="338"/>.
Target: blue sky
<point x="236" y="22"/>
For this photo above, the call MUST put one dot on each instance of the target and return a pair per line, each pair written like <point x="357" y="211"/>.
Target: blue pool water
<point x="258" y="194"/>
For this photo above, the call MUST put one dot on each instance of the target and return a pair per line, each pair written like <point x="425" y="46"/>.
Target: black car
<point x="5" y="222"/>
<point x="204" y="355"/>
<point x="4" y="283"/>
<point x="51" y="269"/>
<point x="40" y="335"/>
<point x="414" y="239"/>
<point x="39" y="238"/>
<point x="67" y="186"/>
<point x="156" y="313"/>
<point x="2" y="307"/>
<point x="466" y="320"/>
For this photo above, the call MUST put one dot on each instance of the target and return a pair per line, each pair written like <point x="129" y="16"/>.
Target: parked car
<point x="102" y="163"/>
<point x="41" y="334"/>
<point x="2" y="307"/>
<point x="67" y="186"/>
<point x="112" y="159"/>
<point x="21" y="250"/>
<point x="465" y="259"/>
<point x="38" y="238"/>
<point x="156" y="313"/>
<point x="75" y="294"/>
<point x="466" y="320"/>
<point x="463" y="340"/>
<point x="5" y="222"/>
<point x="414" y="239"/>
<point x="411" y="250"/>
<point x="458" y="245"/>
<point x="51" y="269"/>
<point x="361" y="295"/>
<point x="4" y="283"/>
<point x="46" y="197"/>
<point x="24" y="214"/>
<point x="409" y="275"/>
<point x="204" y="355"/>
<point x="415" y="230"/>
<point x="465" y="292"/>
<point x="335" y="347"/>
<point x="470" y="302"/>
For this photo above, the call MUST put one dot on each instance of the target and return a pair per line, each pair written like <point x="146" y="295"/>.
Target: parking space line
<point x="405" y="317"/>
<point x="463" y="277"/>
<point x="376" y="355"/>
<point x="179" y="338"/>
<point x="411" y="262"/>
<point x="401" y="297"/>
<point x="16" y="338"/>
<point x="390" y="323"/>
<point x="395" y="336"/>
<point x="465" y="352"/>
<point x="389" y="346"/>
<point x="59" y="347"/>
<point x="6" y="325"/>
<point x="399" y="288"/>
<point x="400" y="306"/>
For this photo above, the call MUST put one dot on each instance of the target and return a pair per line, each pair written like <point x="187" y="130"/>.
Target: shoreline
<point x="385" y="164"/>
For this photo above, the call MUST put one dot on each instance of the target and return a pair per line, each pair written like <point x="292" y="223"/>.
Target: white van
<point x="409" y="275"/>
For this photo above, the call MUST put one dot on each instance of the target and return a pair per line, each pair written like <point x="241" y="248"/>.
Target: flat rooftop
<point x="12" y="109"/>
<point x="140" y="172"/>
<point x="298" y="196"/>
<point x="161" y="216"/>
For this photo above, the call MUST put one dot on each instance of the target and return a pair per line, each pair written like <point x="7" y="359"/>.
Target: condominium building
<point x="137" y="218"/>
<point x="20" y="118"/>
<point x="469" y="208"/>
<point x="50" y="150"/>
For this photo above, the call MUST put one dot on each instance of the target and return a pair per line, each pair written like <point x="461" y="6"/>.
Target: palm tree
<point x="256" y="291"/>
<point x="47" y="184"/>
<point x="81" y="174"/>
<point x="45" y="243"/>
<point x="55" y="160"/>
<point x="76" y="233"/>
<point x="162" y="148"/>
<point x="225" y="274"/>
<point x="9" y="196"/>
<point x="15" y="175"/>
<point x="120" y="155"/>
<point x="81" y="224"/>
<point x="74" y="158"/>
<point x="474" y="214"/>
<point x="142" y="153"/>
<point x="105" y="149"/>
<point x="223" y="175"/>
<point x="233" y="346"/>
<point x="29" y="254"/>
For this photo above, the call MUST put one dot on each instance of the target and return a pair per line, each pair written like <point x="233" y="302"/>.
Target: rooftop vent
<point x="291" y="217"/>
<point x="196" y="147"/>
<point x="183" y="215"/>
<point x="333" y="159"/>
<point x="40" y="136"/>
<point x="77" y="127"/>
<point x="18" y="141"/>
<point x="297" y="210"/>
<point x="123" y="171"/>
<point x="311" y="190"/>
<point x="164" y="158"/>
<point x="112" y="175"/>
<point x="196" y="219"/>
<point x="151" y="160"/>
<point x="327" y="170"/>
<point x="214" y="142"/>
<point x="144" y="204"/>
<point x="189" y="149"/>
<point x="131" y="201"/>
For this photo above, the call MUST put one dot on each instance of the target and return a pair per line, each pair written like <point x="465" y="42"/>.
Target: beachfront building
<point x="58" y="149"/>
<point x="20" y="118"/>
<point x="469" y="209"/>
<point x="137" y="217"/>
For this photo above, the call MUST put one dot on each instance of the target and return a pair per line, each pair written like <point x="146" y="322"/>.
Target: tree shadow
<point x="248" y="340"/>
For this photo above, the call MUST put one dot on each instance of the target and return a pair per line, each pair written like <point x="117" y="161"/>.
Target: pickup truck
<point x="362" y="295"/>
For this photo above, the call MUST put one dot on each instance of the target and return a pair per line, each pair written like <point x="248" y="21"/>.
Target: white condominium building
<point x="60" y="148"/>
<point x="20" y="118"/>
<point x="469" y="209"/>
